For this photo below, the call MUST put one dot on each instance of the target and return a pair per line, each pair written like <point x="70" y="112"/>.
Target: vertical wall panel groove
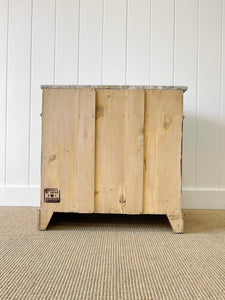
<point x="162" y="42"/>
<point x="78" y="43"/>
<point x="42" y="73"/>
<point x="18" y="82"/>
<point x="90" y="42"/>
<point x="222" y="106"/>
<point x="174" y="39"/>
<point x="4" y="12"/>
<point x="54" y="41"/>
<point x="114" y="55"/>
<point x="103" y="8"/>
<point x="127" y="7"/>
<point x="197" y="96"/>
<point x="66" y="42"/>
<point x="209" y="93"/>
<point x="6" y="98"/>
<point x="185" y="65"/>
<point x="150" y="41"/>
<point x="138" y="34"/>
<point x="31" y="32"/>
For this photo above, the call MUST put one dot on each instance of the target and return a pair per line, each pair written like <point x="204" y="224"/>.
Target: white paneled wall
<point x="157" y="42"/>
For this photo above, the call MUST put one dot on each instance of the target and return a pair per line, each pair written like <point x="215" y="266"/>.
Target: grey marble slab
<point x="144" y="87"/>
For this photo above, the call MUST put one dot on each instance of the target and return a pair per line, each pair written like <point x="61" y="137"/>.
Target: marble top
<point x="144" y="87"/>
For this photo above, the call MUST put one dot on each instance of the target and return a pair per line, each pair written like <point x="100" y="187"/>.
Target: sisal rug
<point x="111" y="257"/>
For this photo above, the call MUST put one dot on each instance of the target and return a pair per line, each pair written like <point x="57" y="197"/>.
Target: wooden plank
<point x="90" y="42"/>
<point x="68" y="148"/>
<point x="187" y="34"/>
<point x="209" y="83"/>
<point x="114" y="42"/>
<point x="3" y="84"/>
<point x="66" y="43"/>
<point x="119" y="151"/>
<point x="18" y="95"/>
<point x="162" y="36"/>
<point x="109" y="158"/>
<point x="162" y="162"/>
<point x="134" y="151"/>
<point x="138" y="42"/>
<point x="59" y="129"/>
<point x="42" y="72"/>
<point x="85" y="144"/>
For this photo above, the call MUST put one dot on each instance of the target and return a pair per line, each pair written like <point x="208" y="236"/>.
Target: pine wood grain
<point x="162" y="161"/>
<point x="119" y="151"/>
<point x="68" y="133"/>
<point x="112" y="151"/>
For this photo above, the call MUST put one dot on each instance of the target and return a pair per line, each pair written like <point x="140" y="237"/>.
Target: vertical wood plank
<point x="114" y="42"/>
<point x="42" y="71"/>
<point x="66" y="44"/>
<point x="90" y="41"/>
<point x="3" y="84"/>
<point x="138" y="42"/>
<point x="162" y="38"/>
<point x="109" y="158"/>
<point x="85" y="144"/>
<point x="222" y="104"/>
<point x="162" y="162"/>
<point x="209" y="94"/>
<point x="59" y="148"/>
<point x="185" y="73"/>
<point x="119" y="151"/>
<point x="68" y="144"/>
<point x="134" y="151"/>
<point x="18" y="83"/>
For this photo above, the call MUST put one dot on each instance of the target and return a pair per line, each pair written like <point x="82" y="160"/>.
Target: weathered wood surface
<point x="162" y="161"/>
<point x="68" y="133"/>
<point x="113" y="151"/>
<point x="119" y="151"/>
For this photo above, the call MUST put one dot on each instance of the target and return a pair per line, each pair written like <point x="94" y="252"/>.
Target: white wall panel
<point x="90" y="42"/>
<point x="185" y="72"/>
<point x="3" y="84"/>
<point x="162" y="42"/>
<point x="18" y="92"/>
<point x="222" y="103"/>
<point x="165" y="42"/>
<point x="138" y="41"/>
<point x="114" y="42"/>
<point x="42" y="72"/>
<point x="209" y="83"/>
<point x="66" y="41"/>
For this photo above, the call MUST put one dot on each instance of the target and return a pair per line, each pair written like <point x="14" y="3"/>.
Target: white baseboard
<point x="203" y="199"/>
<point x="192" y="199"/>
<point x="19" y="196"/>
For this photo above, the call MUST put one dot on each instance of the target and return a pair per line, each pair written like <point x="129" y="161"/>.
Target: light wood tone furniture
<point x="112" y="149"/>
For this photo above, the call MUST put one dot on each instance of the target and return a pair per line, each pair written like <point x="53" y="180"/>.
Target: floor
<point x="111" y="256"/>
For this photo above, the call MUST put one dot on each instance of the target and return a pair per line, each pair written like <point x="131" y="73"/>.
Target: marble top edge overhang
<point x="144" y="87"/>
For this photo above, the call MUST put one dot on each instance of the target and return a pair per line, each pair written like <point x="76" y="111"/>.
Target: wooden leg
<point x="44" y="218"/>
<point x="176" y="222"/>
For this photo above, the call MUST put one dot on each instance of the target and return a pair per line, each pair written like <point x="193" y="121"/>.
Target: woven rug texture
<point x="111" y="256"/>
